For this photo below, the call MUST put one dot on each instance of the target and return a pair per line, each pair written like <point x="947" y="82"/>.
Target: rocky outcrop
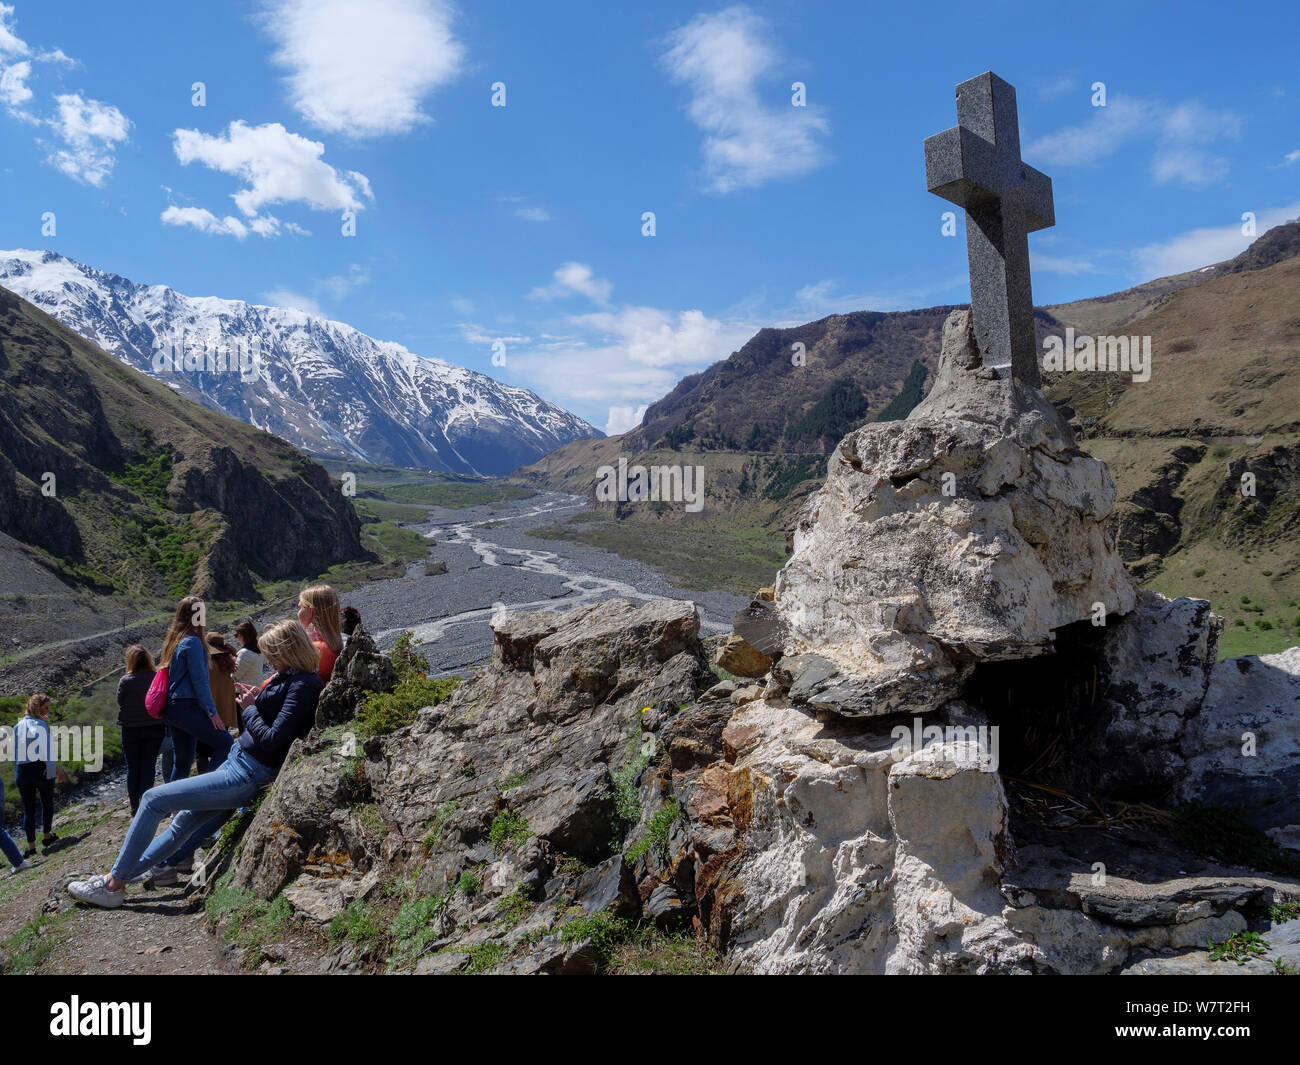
<point x="358" y="670"/>
<point x="531" y="781"/>
<point x="969" y="532"/>
<point x="592" y="768"/>
<point x="1242" y="750"/>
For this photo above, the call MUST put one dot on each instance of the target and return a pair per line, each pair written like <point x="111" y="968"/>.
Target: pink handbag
<point x="156" y="701"/>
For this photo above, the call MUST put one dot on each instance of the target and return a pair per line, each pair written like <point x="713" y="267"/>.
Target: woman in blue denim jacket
<point x="191" y="712"/>
<point x="273" y="717"/>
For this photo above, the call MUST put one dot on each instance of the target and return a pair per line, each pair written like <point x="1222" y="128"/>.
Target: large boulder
<point x="969" y="532"/>
<point x="1243" y="748"/>
<point x="1154" y="668"/>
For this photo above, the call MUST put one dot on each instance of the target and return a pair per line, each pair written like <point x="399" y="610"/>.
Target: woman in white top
<point x="249" y="663"/>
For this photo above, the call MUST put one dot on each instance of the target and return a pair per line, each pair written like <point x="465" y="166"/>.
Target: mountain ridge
<point x="118" y="484"/>
<point x="324" y="386"/>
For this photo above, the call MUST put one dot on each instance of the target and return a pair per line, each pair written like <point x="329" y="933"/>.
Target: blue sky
<point x="523" y="224"/>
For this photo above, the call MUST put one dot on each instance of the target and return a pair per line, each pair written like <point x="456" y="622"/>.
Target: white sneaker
<point x="24" y="864"/>
<point x="95" y="891"/>
<point x="185" y="865"/>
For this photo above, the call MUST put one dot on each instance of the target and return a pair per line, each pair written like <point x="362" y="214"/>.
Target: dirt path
<point x="155" y="932"/>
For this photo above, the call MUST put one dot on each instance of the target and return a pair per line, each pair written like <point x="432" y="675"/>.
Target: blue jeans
<point x="7" y="846"/>
<point x="190" y="725"/>
<point x="208" y="828"/>
<point x="194" y="801"/>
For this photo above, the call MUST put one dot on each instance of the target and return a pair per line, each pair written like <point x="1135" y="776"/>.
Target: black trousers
<point x="32" y="782"/>
<point x="140" y="747"/>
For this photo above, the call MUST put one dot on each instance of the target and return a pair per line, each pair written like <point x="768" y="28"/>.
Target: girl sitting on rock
<point x="318" y="610"/>
<point x="273" y="718"/>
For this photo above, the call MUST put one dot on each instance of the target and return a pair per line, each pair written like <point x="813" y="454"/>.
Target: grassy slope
<point x="1223" y="380"/>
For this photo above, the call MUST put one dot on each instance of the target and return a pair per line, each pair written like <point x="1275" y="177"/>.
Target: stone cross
<point x="977" y="165"/>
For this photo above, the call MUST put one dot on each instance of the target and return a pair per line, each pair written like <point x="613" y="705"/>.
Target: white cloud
<point x="617" y="359"/>
<point x="1292" y="157"/>
<point x="1182" y="136"/>
<point x="364" y="71"/>
<point x="283" y="297"/>
<point x="652" y="337"/>
<point x="275" y="165"/>
<point x="534" y="214"/>
<point x="10" y="43"/>
<point x="1204" y="247"/>
<point x="1106" y="130"/>
<point x="204" y="221"/>
<point x="87" y="131"/>
<point x="574" y="278"/>
<point x="90" y="131"/>
<point x="13" y="84"/>
<point x="621" y="419"/>
<point x="340" y="285"/>
<point x="477" y="334"/>
<point x="1057" y="264"/>
<point x="723" y="59"/>
<point x="822" y="298"/>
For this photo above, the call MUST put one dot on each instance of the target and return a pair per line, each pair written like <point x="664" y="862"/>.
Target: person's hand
<point x="217" y="723"/>
<point x="246" y="700"/>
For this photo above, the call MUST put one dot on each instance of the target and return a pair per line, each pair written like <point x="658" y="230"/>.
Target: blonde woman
<point x="273" y="718"/>
<point x="37" y="770"/>
<point x="318" y="610"/>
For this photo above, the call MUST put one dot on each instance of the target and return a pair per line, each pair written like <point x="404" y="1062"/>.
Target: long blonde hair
<point x="324" y="603"/>
<point x="287" y="646"/>
<point x="187" y="622"/>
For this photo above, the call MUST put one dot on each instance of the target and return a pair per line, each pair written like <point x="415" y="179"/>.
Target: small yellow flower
<point x="644" y="709"/>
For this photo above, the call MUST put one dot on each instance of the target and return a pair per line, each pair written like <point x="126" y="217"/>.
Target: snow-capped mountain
<point x="325" y="387"/>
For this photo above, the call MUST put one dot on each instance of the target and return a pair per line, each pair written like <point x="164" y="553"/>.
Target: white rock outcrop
<point x="970" y="531"/>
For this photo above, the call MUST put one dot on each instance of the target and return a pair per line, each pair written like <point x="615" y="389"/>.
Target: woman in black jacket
<point x="142" y="735"/>
<point x="273" y="718"/>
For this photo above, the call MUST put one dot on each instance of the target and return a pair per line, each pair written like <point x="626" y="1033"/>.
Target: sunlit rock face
<point x="968" y="532"/>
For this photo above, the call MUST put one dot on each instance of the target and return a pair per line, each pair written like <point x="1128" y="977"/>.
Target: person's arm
<point x="296" y="712"/>
<point x="51" y="766"/>
<point x="196" y="663"/>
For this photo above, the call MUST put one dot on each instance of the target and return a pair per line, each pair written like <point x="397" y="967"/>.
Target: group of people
<point x="231" y="711"/>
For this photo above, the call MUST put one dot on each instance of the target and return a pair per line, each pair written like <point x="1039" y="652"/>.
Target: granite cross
<point x="977" y="165"/>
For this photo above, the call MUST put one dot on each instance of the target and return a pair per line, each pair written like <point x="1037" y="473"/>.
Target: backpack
<point x="156" y="700"/>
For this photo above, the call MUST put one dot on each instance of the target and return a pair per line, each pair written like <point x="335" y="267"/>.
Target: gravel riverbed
<point x="493" y="563"/>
